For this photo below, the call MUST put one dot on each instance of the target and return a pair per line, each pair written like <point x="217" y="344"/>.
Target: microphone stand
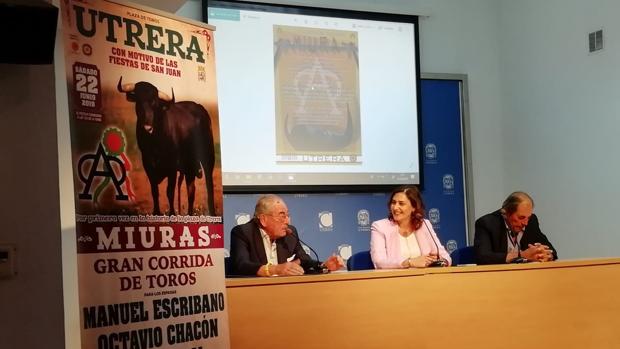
<point x="439" y="262"/>
<point x="311" y="266"/>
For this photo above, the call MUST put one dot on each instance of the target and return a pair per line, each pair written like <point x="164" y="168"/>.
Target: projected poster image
<point x="317" y="95"/>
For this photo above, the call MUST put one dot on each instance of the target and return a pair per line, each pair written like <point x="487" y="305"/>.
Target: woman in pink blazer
<point x="405" y="239"/>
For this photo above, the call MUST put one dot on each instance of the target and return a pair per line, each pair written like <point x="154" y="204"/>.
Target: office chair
<point x="227" y="266"/>
<point x="463" y="255"/>
<point x="360" y="261"/>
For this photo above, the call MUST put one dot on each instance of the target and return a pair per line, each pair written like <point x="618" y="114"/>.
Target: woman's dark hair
<point x="413" y="194"/>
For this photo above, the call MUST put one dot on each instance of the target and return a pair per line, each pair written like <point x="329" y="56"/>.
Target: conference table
<point x="561" y="304"/>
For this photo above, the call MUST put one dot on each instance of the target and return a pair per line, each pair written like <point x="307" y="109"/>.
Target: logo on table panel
<point x="363" y="220"/>
<point x="242" y="218"/>
<point x="430" y="153"/>
<point x="326" y="221"/>
<point x="434" y="216"/>
<point x="451" y="246"/>
<point x="448" y="184"/>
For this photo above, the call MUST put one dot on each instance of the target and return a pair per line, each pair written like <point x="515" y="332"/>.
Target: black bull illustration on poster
<point x="172" y="137"/>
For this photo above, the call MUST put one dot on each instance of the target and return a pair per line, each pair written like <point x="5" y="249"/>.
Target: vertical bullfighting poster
<point x="147" y="176"/>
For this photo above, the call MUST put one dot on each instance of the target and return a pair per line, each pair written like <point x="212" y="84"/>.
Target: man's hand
<point x="545" y="254"/>
<point x="333" y="263"/>
<point x="288" y="269"/>
<point x="538" y="253"/>
<point x="512" y="255"/>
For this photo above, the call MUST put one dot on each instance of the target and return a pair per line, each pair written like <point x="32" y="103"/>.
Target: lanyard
<point x="514" y="240"/>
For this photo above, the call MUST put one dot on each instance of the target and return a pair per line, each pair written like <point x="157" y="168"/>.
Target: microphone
<point x="518" y="260"/>
<point x="309" y="266"/>
<point x="439" y="262"/>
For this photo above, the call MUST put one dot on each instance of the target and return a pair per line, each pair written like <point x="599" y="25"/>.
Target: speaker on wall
<point x="28" y="33"/>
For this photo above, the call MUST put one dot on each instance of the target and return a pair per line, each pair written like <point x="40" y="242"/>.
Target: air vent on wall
<point x="595" y="41"/>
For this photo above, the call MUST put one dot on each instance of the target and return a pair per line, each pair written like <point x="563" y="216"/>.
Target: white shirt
<point x="270" y="248"/>
<point x="513" y="246"/>
<point x="409" y="247"/>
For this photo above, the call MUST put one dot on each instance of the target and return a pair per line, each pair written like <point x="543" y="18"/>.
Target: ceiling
<point x="171" y="6"/>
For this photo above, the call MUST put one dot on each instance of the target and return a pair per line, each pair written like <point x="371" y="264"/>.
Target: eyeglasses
<point x="280" y="216"/>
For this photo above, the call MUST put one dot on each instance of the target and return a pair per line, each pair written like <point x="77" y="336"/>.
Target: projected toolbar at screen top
<point x="313" y="97"/>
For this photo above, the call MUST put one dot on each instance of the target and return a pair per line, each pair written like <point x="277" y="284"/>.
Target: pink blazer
<point x="385" y="244"/>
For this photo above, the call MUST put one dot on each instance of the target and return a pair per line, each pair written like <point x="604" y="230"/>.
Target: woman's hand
<point x="421" y="261"/>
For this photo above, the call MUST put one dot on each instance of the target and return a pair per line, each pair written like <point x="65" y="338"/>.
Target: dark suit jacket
<point x="491" y="240"/>
<point x="247" y="251"/>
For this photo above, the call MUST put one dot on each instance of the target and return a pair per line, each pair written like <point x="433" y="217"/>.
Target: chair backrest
<point x="227" y="266"/>
<point x="360" y="261"/>
<point x="463" y="255"/>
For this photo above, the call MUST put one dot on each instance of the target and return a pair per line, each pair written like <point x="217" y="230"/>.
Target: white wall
<point x="561" y="118"/>
<point x="31" y="303"/>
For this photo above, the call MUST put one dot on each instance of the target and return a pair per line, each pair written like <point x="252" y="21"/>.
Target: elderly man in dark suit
<point x="512" y="234"/>
<point x="268" y="245"/>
